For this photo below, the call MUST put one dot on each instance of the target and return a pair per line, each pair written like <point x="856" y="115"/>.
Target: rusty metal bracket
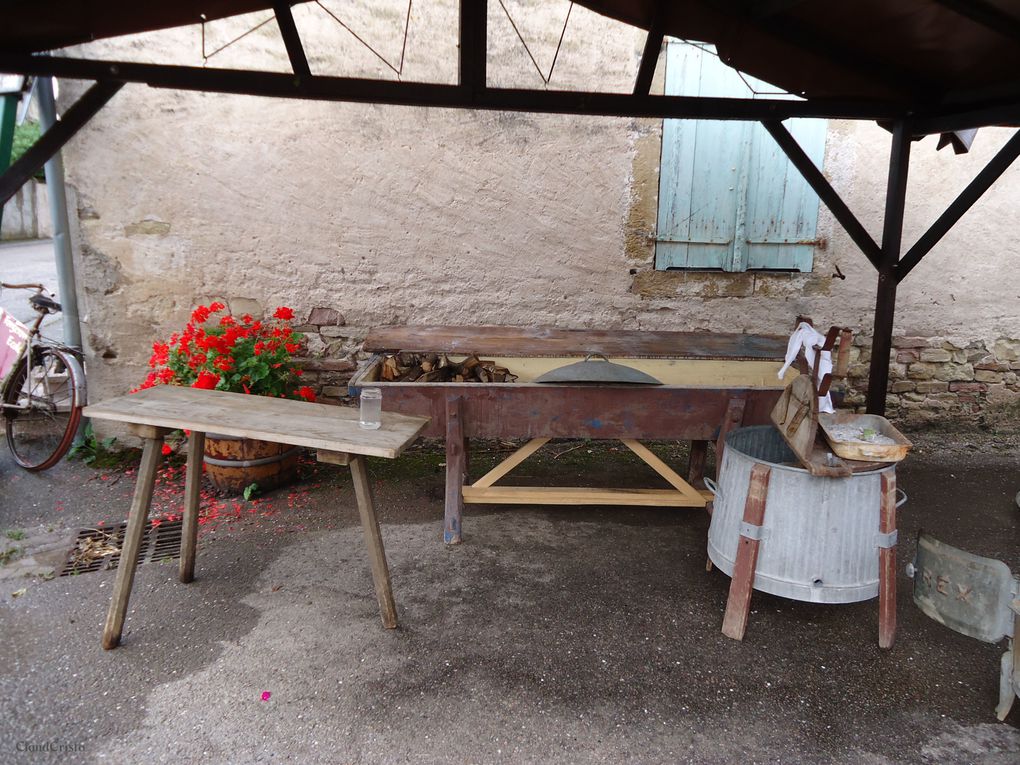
<point x="757" y="533"/>
<point x="887" y="540"/>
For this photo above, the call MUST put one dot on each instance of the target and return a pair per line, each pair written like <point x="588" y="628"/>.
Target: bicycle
<point x="44" y="394"/>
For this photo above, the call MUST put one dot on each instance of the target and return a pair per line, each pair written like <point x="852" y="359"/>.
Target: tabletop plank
<point x="316" y="426"/>
<point x="553" y="341"/>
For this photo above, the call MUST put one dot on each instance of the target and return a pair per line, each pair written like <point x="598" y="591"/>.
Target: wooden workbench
<point x="332" y="431"/>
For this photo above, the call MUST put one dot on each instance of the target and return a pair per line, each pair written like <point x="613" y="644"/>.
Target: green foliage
<point x="97" y="453"/>
<point x="16" y="534"/>
<point x="25" y="135"/>
<point x="7" y="556"/>
<point x="250" y="490"/>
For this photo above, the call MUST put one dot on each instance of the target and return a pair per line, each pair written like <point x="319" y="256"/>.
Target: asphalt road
<point x="552" y="635"/>
<point x="27" y="263"/>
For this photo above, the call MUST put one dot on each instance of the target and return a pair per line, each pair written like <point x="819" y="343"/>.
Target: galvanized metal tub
<point x="820" y="535"/>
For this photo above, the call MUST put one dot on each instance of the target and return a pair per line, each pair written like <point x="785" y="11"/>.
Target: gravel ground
<point x="555" y="635"/>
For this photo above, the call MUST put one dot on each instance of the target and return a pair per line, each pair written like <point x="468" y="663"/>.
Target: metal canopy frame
<point x="472" y="92"/>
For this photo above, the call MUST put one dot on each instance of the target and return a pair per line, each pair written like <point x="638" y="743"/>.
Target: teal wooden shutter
<point x="729" y="198"/>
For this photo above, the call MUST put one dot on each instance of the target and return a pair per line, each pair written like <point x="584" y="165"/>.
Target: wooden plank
<point x="137" y="518"/>
<point x="456" y="471"/>
<point x="663" y="469"/>
<point x="316" y="426"/>
<point x="738" y="604"/>
<point x="147" y="431"/>
<point x="647" y="412"/>
<point x="333" y="458"/>
<point x="510" y="462"/>
<point x="551" y="341"/>
<point x="580" y="495"/>
<point x="192" y="490"/>
<point x="735" y="417"/>
<point x="374" y="543"/>
<point x="887" y="564"/>
<point x="696" y="463"/>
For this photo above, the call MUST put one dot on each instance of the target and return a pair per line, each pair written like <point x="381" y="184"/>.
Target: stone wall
<point x="932" y="379"/>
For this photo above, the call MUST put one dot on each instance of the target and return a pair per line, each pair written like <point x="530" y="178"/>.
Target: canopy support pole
<point x="892" y="235"/>
<point x="291" y="38"/>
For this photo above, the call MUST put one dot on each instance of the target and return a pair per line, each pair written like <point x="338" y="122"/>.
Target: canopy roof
<point x="926" y="57"/>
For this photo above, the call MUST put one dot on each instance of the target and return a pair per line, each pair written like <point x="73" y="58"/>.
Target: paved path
<point x="23" y="263"/>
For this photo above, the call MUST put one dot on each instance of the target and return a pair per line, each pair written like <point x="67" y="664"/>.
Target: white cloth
<point x="805" y="338"/>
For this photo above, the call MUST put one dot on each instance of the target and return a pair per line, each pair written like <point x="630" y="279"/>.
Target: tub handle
<point x="903" y="497"/>
<point x="712" y="487"/>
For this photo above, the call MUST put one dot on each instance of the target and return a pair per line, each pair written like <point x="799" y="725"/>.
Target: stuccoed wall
<point x="394" y="215"/>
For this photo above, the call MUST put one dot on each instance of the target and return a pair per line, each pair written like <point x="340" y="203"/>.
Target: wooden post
<point x="738" y="605"/>
<point x="455" y="471"/>
<point x="192" y="489"/>
<point x="374" y="543"/>
<point x="137" y="517"/>
<point x="696" y="464"/>
<point x="887" y="565"/>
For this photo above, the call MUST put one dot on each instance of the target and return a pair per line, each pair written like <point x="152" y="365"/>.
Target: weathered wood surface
<point x="132" y="542"/>
<point x="192" y="496"/>
<point x="738" y="604"/>
<point x="614" y="412"/>
<point x="795" y="416"/>
<point x="887" y="564"/>
<point x="581" y="495"/>
<point x="550" y="341"/>
<point x="373" y="542"/>
<point x="456" y="469"/>
<point x="316" y="426"/>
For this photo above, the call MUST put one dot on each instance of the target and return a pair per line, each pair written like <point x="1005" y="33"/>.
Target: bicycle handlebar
<point x="36" y="287"/>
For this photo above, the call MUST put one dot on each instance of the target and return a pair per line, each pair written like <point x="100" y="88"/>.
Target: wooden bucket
<point x="232" y="463"/>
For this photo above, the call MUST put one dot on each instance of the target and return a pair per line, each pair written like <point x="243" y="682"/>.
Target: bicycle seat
<point x="43" y="303"/>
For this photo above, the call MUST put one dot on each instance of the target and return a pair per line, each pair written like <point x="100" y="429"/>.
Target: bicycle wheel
<point x="41" y="408"/>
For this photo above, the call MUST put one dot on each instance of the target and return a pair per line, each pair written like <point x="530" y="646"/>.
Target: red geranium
<point x="230" y="353"/>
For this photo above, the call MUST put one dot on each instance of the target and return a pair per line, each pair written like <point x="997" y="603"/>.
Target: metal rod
<point x="51" y="140"/>
<point x="824" y="190"/>
<point x="945" y="222"/>
<point x="322" y="88"/>
<point x="885" y="300"/>
<point x="66" y="286"/>
<point x="291" y="38"/>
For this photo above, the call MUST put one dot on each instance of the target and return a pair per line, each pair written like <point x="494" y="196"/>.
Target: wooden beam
<point x="664" y="470"/>
<point x="510" y="463"/>
<point x="52" y="140"/>
<point x="987" y="15"/>
<point x="581" y="495"/>
<point x="291" y="38"/>
<point x="885" y="301"/>
<point x="824" y="190"/>
<point x="473" y="45"/>
<point x="945" y="222"/>
<point x="360" y="90"/>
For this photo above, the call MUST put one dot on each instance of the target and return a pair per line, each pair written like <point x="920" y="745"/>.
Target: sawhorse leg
<point x="738" y="605"/>
<point x="137" y="517"/>
<point x="887" y="563"/>
<point x="192" y="488"/>
<point x="456" y="471"/>
<point x="374" y="543"/>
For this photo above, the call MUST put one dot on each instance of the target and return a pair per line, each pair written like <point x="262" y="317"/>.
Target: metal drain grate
<point x="99" y="549"/>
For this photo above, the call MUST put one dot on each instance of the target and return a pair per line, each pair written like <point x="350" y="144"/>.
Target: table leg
<point x="887" y="565"/>
<point x="734" y="417"/>
<point x="738" y="605"/>
<point x="132" y="540"/>
<point x="696" y="464"/>
<point x="456" y="470"/>
<point x="192" y="488"/>
<point x="374" y="543"/>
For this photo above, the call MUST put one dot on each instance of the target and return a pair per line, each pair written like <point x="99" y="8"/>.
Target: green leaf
<point x="249" y="490"/>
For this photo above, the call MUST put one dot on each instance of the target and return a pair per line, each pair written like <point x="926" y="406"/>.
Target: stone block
<point x="908" y="356"/>
<point x="932" y="387"/>
<point x="1010" y="378"/>
<point x="326" y="317"/>
<point x="239" y="306"/>
<point x="1000" y="395"/>
<point x="987" y="376"/>
<point x="968" y="387"/>
<point x="992" y="364"/>
<point x="901" y="386"/>
<point x="897" y="371"/>
<point x="910" y="342"/>
<point x="1006" y="349"/>
<point x="858" y="371"/>
<point x="960" y="357"/>
<point x="936" y="355"/>
<point x="332" y="331"/>
<point x="326" y="365"/>
<point x="334" y="391"/>
<point x="913" y="397"/>
<point x="921" y="371"/>
<point x="954" y="372"/>
<point x="314" y="345"/>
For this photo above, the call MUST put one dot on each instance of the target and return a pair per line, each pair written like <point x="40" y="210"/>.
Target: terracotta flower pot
<point x="232" y="464"/>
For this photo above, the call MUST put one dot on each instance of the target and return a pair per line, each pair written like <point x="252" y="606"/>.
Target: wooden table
<point x="332" y="431"/>
<point x="712" y="383"/>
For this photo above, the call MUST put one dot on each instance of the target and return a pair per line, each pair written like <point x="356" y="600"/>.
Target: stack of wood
<point x="433" y="367"/>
